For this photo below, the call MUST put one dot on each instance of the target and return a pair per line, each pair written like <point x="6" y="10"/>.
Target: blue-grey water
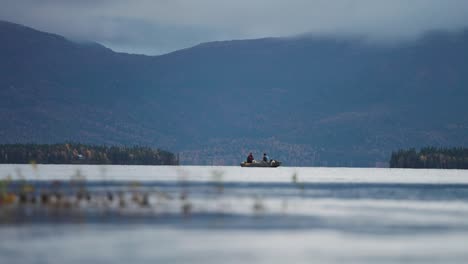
<point x="151" y="214"/>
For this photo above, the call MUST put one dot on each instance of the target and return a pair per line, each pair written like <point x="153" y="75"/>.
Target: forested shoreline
<point x="76" y="153"/>
<point x="431" y="157"/>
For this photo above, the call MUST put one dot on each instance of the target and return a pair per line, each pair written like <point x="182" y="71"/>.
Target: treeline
<point x="75" y="153"/>
<point x="430" y="157"/>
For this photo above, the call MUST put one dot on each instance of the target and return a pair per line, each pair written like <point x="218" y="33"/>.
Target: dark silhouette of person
<point x="250" y="158"/>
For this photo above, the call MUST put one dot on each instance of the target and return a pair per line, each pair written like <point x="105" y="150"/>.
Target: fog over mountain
<point x="161" y="26"/>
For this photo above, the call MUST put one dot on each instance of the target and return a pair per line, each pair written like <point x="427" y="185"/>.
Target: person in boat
<point x="250" y="158"/>
<point x="266" y="158"/>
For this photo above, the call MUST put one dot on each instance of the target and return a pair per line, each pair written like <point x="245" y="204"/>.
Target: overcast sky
<point x="161" y="26"/>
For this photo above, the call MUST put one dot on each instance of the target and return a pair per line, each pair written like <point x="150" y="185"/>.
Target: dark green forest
<point x="431" y="157"/>
<point x="76" y="153"/>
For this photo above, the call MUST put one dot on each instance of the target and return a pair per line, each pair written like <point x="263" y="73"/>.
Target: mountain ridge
<point x="305" y="101"/>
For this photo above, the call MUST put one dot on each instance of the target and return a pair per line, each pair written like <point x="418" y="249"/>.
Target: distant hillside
<point x="306" y="101"/>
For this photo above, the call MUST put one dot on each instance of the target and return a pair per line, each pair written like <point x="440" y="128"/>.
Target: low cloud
<point x="160" y="26"/>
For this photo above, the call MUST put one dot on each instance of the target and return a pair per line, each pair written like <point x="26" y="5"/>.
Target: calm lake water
<point x="195" y="214"/>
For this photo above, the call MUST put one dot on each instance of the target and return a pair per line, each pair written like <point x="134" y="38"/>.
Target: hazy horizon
<point x="158" y="27"/>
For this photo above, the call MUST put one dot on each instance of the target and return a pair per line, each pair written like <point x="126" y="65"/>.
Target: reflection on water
<point x="188" y="219"/>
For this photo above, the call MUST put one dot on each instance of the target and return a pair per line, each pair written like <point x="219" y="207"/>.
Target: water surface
<point x="192" y="214"/>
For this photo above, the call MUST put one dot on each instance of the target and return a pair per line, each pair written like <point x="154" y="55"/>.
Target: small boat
<point x="262" y="164"/>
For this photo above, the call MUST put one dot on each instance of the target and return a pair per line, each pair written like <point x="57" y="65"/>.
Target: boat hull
<point x="261" y="164"/>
